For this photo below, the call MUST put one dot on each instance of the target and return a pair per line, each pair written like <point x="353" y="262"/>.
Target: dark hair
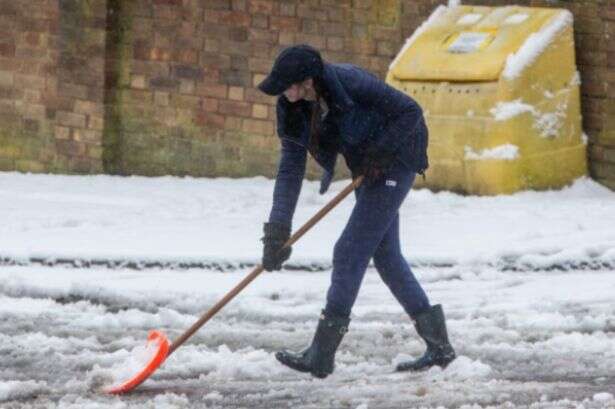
<point x="297" y="112"/>
<point x="315" y="123"/>
<point x="294" y="121"/>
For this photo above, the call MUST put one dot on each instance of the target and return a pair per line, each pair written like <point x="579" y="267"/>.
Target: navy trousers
<point x="373" y="231"/>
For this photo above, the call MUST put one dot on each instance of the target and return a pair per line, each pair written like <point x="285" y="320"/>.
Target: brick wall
<point x="51" y="85"/>
<point x="158" y="87"/>
<point x="188" y="100"/>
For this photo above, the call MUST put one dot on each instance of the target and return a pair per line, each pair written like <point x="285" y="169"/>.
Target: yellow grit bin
<point x="500" y="93"/>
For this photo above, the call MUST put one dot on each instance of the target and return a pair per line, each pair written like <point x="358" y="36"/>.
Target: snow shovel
<point x="157" y="349"/>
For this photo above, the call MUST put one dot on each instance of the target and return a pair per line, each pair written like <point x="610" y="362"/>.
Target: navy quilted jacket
<point x="363" y="112"/>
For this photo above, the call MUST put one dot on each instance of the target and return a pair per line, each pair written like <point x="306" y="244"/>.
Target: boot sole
<point x="292" y="365"/>
<point x="319" y="375"/>
<point x="442" y="365"/>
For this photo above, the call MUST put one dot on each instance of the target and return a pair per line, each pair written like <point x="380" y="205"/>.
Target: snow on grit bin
<point x="500" y="93"/>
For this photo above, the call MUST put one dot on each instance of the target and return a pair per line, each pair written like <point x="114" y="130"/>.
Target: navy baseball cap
<point x="294" y="64"/>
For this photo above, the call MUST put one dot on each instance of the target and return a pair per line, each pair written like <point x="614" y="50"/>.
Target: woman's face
<point x="301" y="90"/>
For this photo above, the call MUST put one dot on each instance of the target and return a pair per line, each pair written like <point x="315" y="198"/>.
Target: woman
<point x="326" y="109"/>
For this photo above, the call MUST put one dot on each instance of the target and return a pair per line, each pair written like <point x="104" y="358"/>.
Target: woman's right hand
<point x="274" y="255"/>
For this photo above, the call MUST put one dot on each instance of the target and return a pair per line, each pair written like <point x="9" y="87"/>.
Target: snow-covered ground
<point x="526" y="281"/>
<point x="219" y="222"/>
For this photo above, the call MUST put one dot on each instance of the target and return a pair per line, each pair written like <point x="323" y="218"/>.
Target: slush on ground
<point x="92" y="264"/>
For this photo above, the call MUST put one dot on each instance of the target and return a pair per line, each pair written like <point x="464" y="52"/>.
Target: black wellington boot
<point x="431" y="326"/>
<point x="318" y="359"/>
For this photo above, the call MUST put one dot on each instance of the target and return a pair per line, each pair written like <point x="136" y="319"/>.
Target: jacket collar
<point x="339" y="96"/>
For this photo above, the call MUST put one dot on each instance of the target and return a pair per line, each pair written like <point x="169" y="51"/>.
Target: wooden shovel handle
<point x="259" y="269"/>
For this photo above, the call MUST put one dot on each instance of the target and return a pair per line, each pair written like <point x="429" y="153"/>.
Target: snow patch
<point x="215" y="395"/>
<point x="10" y="390"/>
<point x="503" y="152"/>
<point x="461" y="369"/>
<point x="138" y="358"/>
<point x="468" y="19"/>
<point x="506" y="110"/>
<point x="603" y="397"/>
<point x="535" y="45"/>
<point x="576" y="78"/>
<point x="548" y="123"/>
<point x="516" y="18"/>
<point x="223" y="363"/>
<point x="437" y="13"/>
<point x="171" y="401"/>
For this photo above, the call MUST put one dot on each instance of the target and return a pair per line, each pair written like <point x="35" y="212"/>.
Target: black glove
<point x="376" y="163"/>
<point x="276" y="235"/>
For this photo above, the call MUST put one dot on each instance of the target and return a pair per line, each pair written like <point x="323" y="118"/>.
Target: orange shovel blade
<point x="155" y="340"/>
